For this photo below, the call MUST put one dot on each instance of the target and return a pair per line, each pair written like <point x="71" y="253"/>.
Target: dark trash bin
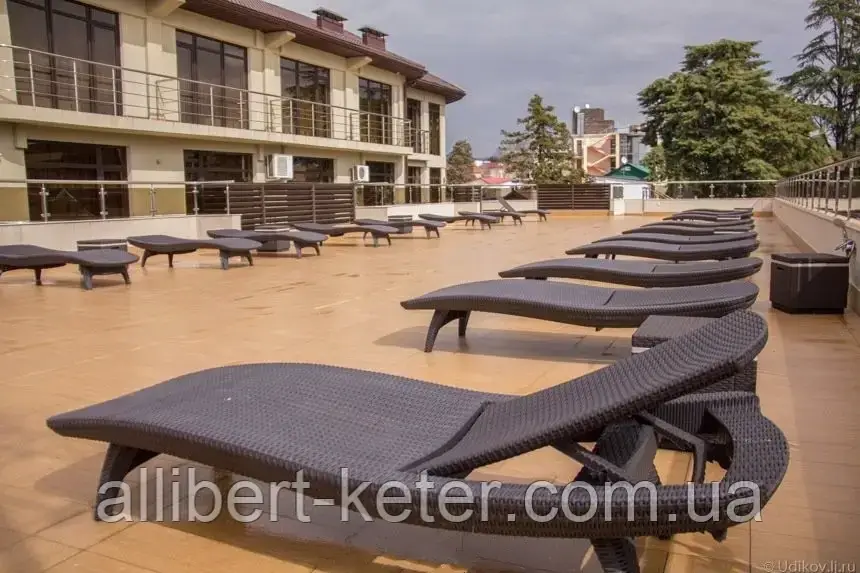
<point x="811" y="283"/>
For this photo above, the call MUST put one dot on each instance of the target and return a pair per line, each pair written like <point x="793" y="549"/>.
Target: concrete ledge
<point x="817" y="232"/>
<point x="66" y="234"/>
<point x="761" y="206"/>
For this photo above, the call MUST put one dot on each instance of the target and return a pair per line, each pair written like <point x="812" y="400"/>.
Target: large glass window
<point x="313" y="170"/>
<point x="213" y="88"/>
<point x="414" y="115"/>
<point x="436" y="194"/>
<point x="215" y="166"/>
<point x="306" y="90"/>
<point x="413" y="184"/>
<point x="375" y="104"/>
<point x="84" y="41"/>
<point x="435" y="129"/>
<point x="82" y="162"/>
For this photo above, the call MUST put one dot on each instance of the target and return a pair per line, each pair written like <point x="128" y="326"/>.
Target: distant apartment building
<point x="171" y="91"/>
<point x="486" y="168"/>
<point x="599" y="146"/>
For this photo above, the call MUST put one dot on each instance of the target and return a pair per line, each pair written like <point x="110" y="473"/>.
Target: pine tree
<point x="721" y="118"/>
<point x="461" y="163"/>
<point x="828" y="75"/>
<point x="540" y="151"/>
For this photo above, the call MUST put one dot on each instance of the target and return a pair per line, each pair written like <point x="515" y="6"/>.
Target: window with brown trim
<point x="435" y="129"/>
<point x="214" y="81"/>
<point x="306" y="91"/>
<point x="82" y="162"/>
<point x="67" y="57"/>
<point x="376" y="104"/>
<point x="414" y="115"/>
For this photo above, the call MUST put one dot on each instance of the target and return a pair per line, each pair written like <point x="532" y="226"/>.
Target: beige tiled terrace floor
<point x="61" y="348"/>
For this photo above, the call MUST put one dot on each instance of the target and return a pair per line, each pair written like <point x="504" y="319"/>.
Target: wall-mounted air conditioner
<point x="360" y="174"/>
<point x="280" y="166"/>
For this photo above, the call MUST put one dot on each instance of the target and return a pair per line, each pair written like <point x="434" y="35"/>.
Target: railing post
<point x="313" y="119"/>
<point x="263" y="204"/>
<point x="194" y="194"/>
<point x="153" y="211"/>
<point x="32" y="77"/>
<point x="75" y="83"/>
<point x="743" y="190"/>
<point x="113" y="91"/>
<point x="212" y="105"/>
<point x="292" y="121"/>
<point x="712" y="191"/>
<point x="838" y="188"/>
<point x="850" y="189"/>
<point x="314" y="203"/>
<point x="227" y="197"/>
<point x="102" y="201"/>
<point x="43" y="203"/>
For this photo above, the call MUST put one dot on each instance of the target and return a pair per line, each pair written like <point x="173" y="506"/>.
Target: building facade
<point x="169" y="91"/>
<point x="599" y="146"/>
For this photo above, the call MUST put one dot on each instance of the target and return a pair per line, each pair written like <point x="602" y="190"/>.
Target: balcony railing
<point x="42" y="79"/>
<point x="833" y="189"/>
<point x="722" y="189"/>
<point x="79" y="200"/>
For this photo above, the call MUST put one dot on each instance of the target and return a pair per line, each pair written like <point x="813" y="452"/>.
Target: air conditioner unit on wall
<point x="360" y="174"/>
<point x="280" y="166"/>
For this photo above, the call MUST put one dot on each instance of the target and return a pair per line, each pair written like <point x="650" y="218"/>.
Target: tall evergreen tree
<point x="828" y="74"/>
<point x="460" y="163"/>
<point x="655" y="161"/>
<point x="540" y="151"/>
<point x="721" y="117"/>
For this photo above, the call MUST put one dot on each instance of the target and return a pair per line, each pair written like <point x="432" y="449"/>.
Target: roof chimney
<point x="328" y="20"/>
<point x="372" y="37"/>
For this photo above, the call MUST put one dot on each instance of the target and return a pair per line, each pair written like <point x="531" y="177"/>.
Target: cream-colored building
<point x="185" y="90"/>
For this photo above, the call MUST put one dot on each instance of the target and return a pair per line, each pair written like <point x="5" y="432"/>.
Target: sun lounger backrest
<point x="587" y="404"/>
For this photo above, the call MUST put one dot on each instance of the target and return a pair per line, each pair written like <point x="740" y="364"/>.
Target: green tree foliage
<point x="721" y="117"/>
<point x="460" y="163"/>
<point x="828" y="74"/>
<point x="655" y="161"/>
<point x="540" y="151"/>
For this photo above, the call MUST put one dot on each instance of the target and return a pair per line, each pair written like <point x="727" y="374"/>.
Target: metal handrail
<point x="139" y="93"/>
<point x="831" y="189"/>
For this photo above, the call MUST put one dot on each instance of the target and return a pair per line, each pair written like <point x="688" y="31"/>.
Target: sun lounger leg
<point x="375" y="240"/>
<point x="86" y="278"/>
<point x="38" y="273"/>
<point x="436" y="230"/>
<point x="541" y="217"/>
<point x="317" y="249"/>
<point x="225" y="261"/>
<point x="118" y="462"/>
<point x="388" y="238"/>
<point x="250" y="258"/>
<point x="125" y="276"/>
<point x="298" y="250"/>
<point x="616" y="555"/>
<point x="170" y="260"/>
<point x="440" y="319"/>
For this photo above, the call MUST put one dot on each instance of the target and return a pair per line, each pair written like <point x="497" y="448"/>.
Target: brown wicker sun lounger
<point x="711" y="217"/>
<point x="375" y="231"/>
<point x="467" y="216"/>
<point x="638" y="273"/>
<point x="301" y="239"/>
<point x="667" y="251"/>
<point x="406" y="225"/>
<point x="582" y="305"/>
<point x="710" y="225"/>
<point x="361" y="432"/>
<point x="688" y="230"/>
<point x="153" y="245"/>
<point x="90" y="263"/>
<point x="674" y="239"/>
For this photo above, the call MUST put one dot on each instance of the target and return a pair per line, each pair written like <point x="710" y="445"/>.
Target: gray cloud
<point x="571" y="52"/>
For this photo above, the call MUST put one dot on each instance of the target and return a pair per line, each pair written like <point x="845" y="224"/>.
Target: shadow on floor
<point x="531" y="345"/>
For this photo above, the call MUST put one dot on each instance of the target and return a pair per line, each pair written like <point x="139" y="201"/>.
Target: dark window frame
<point x="325" y="172"/>
<point x="415" y="115"/>
<point x="436" y="185"/>
<point x="375" y="121"/>
<point x="116" y="197"/>
<point x="435" y="112"/>
<point x="413" y="184"/>
<point x="52" y="73"/>
<point x="300" y="115"/>
<point x="195" y="94"/>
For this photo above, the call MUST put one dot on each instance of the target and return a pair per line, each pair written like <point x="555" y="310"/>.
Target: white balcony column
<point x="8" y="92"/>
<point x="137" y="90"/>
<point x="257" y="100"/>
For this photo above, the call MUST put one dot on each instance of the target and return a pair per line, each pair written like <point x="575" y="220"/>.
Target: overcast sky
<point x="571" y="52"/>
